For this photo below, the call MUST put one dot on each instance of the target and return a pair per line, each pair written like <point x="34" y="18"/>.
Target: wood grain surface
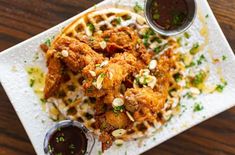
<point x="22" y="19"/>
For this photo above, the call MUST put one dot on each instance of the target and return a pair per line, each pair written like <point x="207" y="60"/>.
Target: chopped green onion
<point x="156" y="16"/>
<point x="48" y="42"/>
<point x="137" y="8"/>
<point x="201" y="59"/>
<point x="91" y="27"/>
<point x="224" y="57"/>
<point x="197" y="107"/>
<point x="194" y="49"/>
<point x="187" y="35"/>
<point x="32" y="81"/>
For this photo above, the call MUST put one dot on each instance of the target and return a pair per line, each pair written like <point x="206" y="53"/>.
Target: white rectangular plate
<point x="36" y="122"/>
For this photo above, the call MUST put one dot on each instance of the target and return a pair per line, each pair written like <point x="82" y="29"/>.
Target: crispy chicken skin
<point x="116" y="71"/>
<point x="79" y="54"/>
<point x="144" y="103"/>
<point x="53" y="77"/>
<point x="106" y="139"/>
<point x="116" y="40"/>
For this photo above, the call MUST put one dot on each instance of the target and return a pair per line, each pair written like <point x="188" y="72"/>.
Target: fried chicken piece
<point x="78" y="54"/>
<point x="112" y="41"/>
<point x="144" y="103"/>
<point x="109" y="122"/>
<point x="106" y="140"/>
<point x="95" y="41"/>
<point x="53" y="77"/>
<point x="121" y="39"/>
<point x="117" y="120"/>
<point x="117" y="69"/>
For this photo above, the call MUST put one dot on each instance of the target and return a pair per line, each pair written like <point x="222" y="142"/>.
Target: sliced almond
<point x="92" y="73"/>
<point x="103" y="44"/>
<point x="99" y="81"/>
<point x="104" y="63"/>
<point x="144" y="72"/>
<point x="153" y="82"/>
<point x="118" y="132"/>
<point x="152" y="64"/>
<point x="129" y="116"/>
<point x="110" y="75"/>
<point x="64" y="53"/>
<point x="88" y="31"/>
<point x="117" y="102"/>
<point x="140" y="20"/>
<point x="119" y="142"/>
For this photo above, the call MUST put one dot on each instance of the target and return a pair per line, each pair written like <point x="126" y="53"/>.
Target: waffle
<point x="74" y="105"/>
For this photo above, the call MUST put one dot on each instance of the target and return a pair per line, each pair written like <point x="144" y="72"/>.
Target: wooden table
<point x="22" y="19"/>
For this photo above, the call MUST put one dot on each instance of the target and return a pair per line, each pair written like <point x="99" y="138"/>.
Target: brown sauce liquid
<point x="68" y="141"/>
<point x="169" y="14"/>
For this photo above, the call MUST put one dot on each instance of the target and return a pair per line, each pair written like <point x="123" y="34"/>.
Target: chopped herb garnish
<point x="188" y="95"/>
<point x="190" y="65"/>
<point x="91" y="27"/>
<point x="60" y="139"/>
<point x="177" y="77"/>
<point x="220" y="87"/>
<point x="48" y="42"/>
<point x="224" y="57"/>
<point x="137" y="8"/>
<point x="102" y="75"/>
<point x="118" y="108"/>
<point x="194" y="49"/>
<point x="157" y="39"/>
<point x="43" y="100"/>
<point x="99" y="152"/>
<point x="201" y="59"/>
<point x="160" y="48"/>
<point x="179" y="40"/>
<point x="207" y="16"/>
<point x="36" y="56"/>
<point x="118" y="20"/>
<point x="178" y="18"/>
<point x="187" y="35"/>
<point x="145" y="41"/>
<point x="197" y="107"/>
<point x="32" y="81"/>
<point x="156" y="16"/>
<point x="72" y="146"/>
<point x="199" y="78"/>
<point x="146" y="36"/>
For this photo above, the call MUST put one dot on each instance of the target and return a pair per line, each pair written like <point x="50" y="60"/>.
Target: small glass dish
<point x="68" y="123"/>
<point x="192" y="11"/>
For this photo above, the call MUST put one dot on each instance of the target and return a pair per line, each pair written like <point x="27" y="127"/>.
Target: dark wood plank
<point x="23" y="19"/>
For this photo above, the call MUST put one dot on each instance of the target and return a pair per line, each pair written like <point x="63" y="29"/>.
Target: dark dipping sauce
<point x="169" y="14"/>
<point x="68" y="140"/>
